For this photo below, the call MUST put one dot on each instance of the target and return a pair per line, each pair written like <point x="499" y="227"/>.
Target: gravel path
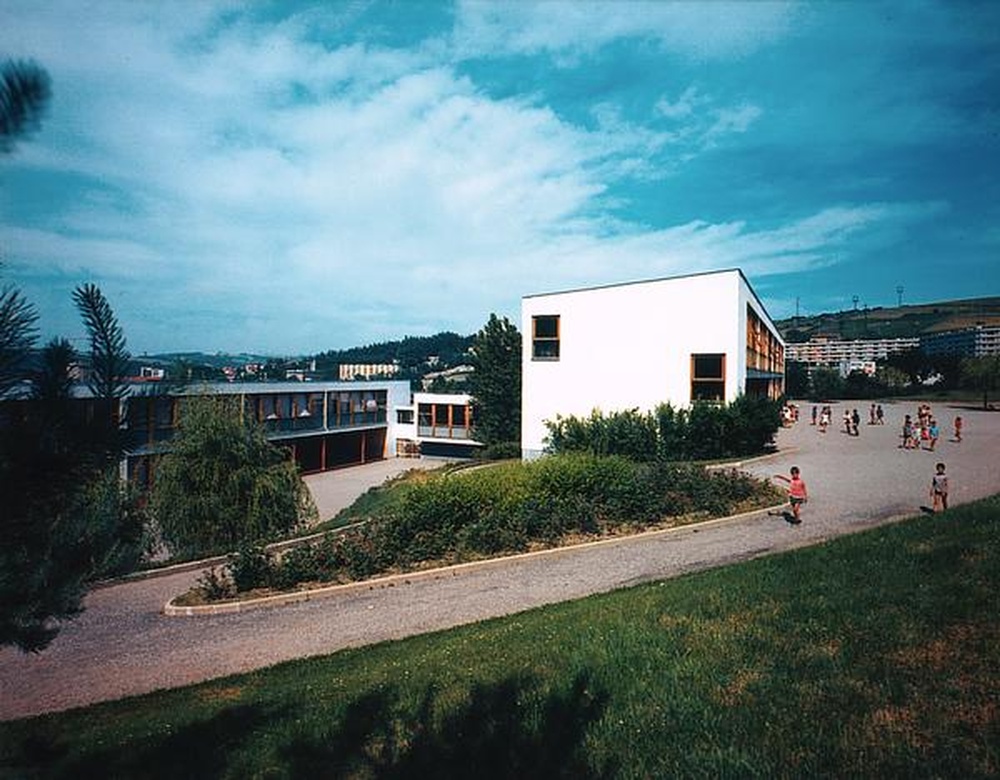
<point x="123" y="645"/>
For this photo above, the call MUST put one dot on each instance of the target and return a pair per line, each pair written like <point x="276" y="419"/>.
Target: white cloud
<point x="702" y="31"/>
<point x="268" y="191"/>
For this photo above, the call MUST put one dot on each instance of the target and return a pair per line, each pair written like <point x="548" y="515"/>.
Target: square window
<point x="545" y="337"/>
<point x="708" y="377"/>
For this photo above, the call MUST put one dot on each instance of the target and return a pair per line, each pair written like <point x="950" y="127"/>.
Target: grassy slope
<point x="872" y="655"/>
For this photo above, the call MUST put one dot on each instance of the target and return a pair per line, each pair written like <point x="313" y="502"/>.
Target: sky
<point x="291" y="177"/>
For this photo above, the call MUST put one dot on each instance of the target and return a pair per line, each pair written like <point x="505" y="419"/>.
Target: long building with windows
<point x="704" y="337"/>
<point x="325" y="425"/>
<point x="975" y="341"/>
<point x="835" y="352"/>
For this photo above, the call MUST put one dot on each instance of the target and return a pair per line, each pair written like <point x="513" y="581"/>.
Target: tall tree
<point x="109" y="356"/>
<point x="66" y="519"/>
<point x="223" y="484"/>
<point x="25" y="90"/>
<point x="982" y="374"/>
<point x="495" y="384"/>
<point x="17" y="337"/>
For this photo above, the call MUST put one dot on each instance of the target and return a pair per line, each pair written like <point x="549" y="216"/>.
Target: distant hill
<point x="893" y="322"/>
<point x="412" y="353"/>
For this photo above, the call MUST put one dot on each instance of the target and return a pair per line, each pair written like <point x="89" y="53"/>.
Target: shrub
<point x="703" y="432"/>
<point x="501" y="509"/>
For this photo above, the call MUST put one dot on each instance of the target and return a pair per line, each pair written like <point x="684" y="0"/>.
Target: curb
<point x="393" y="580"/>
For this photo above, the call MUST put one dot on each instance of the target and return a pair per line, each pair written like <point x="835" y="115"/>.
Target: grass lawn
<point x="874" y="655"/>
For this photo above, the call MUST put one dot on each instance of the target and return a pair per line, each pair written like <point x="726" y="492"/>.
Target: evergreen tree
<point x="495" y="385"/>
<point x="66" y="518"/>
<point x="25" y="90"/>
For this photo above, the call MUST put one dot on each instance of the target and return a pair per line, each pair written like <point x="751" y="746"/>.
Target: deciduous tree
<point x="223" y="484"/>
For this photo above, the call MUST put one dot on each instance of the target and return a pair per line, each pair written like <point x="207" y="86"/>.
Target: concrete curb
<point x="393" y="580"/>
<point x="219" y="560"/>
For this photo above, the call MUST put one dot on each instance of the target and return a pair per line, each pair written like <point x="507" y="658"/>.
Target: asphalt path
<point x="124" y="645"/>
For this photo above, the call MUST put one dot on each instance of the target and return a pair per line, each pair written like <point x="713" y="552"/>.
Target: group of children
<point x="924" y="431"/>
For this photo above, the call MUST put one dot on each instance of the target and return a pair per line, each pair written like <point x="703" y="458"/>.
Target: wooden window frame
<point x="721" y="381"/>
<point x="545" y="341"/>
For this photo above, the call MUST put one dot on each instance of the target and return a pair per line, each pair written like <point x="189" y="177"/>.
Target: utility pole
<point x="899" y="295"/>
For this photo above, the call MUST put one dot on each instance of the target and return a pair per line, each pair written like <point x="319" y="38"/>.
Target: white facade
<point x="435" y="423"/>
<point x="833" y="352"/>
<point x="634" y="345"/>
<point x="349" y="371"/>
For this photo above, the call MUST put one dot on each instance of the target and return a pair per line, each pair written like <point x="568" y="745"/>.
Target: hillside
<point x="893" y="322"/>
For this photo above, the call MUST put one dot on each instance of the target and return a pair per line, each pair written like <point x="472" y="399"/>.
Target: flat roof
<point x="633" y="282"/>
<point x="656" y="280"/>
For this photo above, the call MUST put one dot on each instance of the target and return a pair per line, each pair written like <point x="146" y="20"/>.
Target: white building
<point x="637" y="345"/>
<point x="834" y="352"/>
<point x="436" y="424"/>
<point x="349" y="371"/>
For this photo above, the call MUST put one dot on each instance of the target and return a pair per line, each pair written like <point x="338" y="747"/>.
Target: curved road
<point x="123" y="644"/>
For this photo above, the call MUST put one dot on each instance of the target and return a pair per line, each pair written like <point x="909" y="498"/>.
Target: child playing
<point x="797" y="493"/>
<point x="939" y="488"/>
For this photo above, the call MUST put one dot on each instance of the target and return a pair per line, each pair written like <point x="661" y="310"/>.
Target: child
<point x="958" y="429"/>
<point x="934" y="432"/>
<point x="939" y="488"/>
<point x="797" y="493"/>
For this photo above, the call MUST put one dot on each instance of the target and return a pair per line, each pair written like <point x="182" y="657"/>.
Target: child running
<point x="797" y="493"/>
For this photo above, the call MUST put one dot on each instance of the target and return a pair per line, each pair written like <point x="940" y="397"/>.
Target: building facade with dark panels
<point x="976" y="341"/>
<point x="325" y="425"/>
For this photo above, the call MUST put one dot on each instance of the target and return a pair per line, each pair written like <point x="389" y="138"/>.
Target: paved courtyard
<point x="123" y="644"/>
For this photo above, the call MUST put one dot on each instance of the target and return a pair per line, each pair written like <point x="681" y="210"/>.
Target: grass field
<point x="874" y="655"/>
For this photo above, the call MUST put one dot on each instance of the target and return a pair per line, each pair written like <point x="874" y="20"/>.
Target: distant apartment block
<point x="349" y="371"/>
<point x="834" y="353"/>
<point x="977" y="341"/>
<point x="705" y="337"/>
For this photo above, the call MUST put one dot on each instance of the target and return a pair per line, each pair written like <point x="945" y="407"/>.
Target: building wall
<point x="831" y="352"/>
<point x="631" y="346"/>
<point x="326" y="425"/>
<point x="438" y="422"/>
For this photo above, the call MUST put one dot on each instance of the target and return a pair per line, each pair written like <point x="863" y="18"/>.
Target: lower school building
<point x="325" y="425"/>
<point x="704" y="337"/>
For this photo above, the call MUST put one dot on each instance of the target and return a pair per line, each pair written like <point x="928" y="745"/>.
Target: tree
<point x="66" y="519"/>
<point x="109" y="356"/>
<point x="17" y="338"/>
<point x="495" y="384"/>
<point x="796" y="379"/>
<point x="25" y="90"/>
<point x="223" y="485"/>
<point x="982" y="374"/>
<point x="827" y="384"/>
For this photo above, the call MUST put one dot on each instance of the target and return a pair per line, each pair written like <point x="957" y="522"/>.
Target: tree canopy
<point x="495" y="384"/>
<point x="223" y="484"/>
<point x="25" y="90"/>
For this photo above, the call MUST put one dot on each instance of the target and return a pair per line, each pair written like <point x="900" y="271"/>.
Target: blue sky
<point x="294" y="177"/>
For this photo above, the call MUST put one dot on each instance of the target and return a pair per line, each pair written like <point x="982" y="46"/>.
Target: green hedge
<point x="702" y="432"/>
<point x="502" y="509"/>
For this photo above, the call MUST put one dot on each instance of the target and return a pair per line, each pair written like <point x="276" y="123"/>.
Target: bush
<point x="703" y="432"/>
<point x="502" y="509"/>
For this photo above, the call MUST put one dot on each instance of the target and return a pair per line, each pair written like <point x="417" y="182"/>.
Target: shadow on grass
<point x="198" y="749"/>
<point x="502" y="730"/>
<point x="508" y="729"/>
